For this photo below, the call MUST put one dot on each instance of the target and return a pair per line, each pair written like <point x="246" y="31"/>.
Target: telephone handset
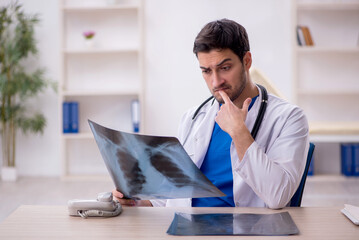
<point x="103" y="206"/>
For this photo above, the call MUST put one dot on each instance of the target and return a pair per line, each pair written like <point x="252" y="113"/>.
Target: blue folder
<point x="66" y="117"/>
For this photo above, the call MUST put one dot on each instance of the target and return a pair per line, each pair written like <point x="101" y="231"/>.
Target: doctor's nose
<point x="216" y="80"/>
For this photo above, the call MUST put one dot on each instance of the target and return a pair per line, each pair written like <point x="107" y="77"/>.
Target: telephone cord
<point x="100" y="213"/>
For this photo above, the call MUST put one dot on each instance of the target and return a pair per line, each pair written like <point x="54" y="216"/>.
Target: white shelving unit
<point x="326" y="75"/>
<point x="104" y="78"/>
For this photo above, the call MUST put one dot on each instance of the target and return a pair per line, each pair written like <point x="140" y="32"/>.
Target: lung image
<point x="150" y="167"/>
<point x="132" y="172"/>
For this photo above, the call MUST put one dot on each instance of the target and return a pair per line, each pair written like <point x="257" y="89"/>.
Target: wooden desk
<point x="53" y="222"/>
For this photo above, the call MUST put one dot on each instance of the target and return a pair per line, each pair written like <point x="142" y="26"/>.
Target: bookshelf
<point x="103" y="78"/>
<point x="325" y="75"/>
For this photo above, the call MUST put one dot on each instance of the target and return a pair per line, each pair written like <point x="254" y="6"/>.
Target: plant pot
<point x="89" y="43"/>
<point x="8" y="174"/>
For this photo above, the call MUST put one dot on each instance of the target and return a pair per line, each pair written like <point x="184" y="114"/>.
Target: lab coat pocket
<point x="190" y="154"/>
<point x="189" y="148"/>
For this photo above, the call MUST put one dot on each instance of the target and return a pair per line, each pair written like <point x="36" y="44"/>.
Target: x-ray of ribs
<point x="132" y="171"/>
<point x="150" y="167"/>
<point x="170" y="170"/>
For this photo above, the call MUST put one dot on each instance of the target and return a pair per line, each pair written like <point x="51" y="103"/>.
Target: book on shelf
<point x="66" y="117"/>
<point x="70" y="117"/>
<point x="135" y="114"/>
<point x="350" y="159"/>
<point x="74" y="118"/>
<point x="300" y="36"/>
<point x="307" y="36"/>
<point x="304" y="37"/>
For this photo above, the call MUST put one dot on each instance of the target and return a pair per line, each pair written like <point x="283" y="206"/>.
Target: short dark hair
<point x="222" y="34"/>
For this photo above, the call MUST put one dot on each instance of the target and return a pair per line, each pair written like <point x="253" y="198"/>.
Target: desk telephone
<point x="103" y="206"/>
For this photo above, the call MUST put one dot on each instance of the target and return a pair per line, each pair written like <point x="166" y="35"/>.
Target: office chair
<point x="297" y="197"/>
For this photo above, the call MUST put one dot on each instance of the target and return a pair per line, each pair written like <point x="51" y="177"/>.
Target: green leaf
<point x="34" y="124"/>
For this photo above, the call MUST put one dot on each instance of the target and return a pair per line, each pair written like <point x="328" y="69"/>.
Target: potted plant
<point x="89" y="35"/>
<point x="16" y="83"/>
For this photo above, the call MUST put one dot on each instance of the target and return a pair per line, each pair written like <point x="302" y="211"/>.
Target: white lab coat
<point x="272" y="167"/>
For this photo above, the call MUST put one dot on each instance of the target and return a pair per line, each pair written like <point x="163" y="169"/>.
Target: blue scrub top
<point x="218" y="168"/>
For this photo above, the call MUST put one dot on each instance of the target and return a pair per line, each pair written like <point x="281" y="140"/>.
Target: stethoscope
<point x="259" y="119"/>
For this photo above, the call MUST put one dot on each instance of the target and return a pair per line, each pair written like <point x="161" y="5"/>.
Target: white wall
<point x="173" y="80"/>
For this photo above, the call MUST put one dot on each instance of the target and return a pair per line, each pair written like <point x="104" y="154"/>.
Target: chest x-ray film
<point x="151" y="167"/>
<point x="246" y="224"/>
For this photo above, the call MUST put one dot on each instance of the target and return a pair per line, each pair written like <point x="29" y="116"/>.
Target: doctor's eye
<point x="225" y="68"/>
<point x="206" y="71"/>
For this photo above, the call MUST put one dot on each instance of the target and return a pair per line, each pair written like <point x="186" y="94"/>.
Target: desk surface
<point x="53" y="222"/>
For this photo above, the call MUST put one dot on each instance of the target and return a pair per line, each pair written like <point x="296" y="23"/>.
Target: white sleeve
<point x="158" y="202"/>
<point x="275" y="175"/>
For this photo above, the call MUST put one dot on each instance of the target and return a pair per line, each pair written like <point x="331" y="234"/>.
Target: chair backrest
<point x="258" y="76"/>
<point x="297" y="197"/>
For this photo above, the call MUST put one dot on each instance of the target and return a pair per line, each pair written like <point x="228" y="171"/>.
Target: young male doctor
<point x="261" y="172"/>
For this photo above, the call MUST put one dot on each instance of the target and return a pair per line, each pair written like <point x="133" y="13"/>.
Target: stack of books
<point x="304" y="37"/>
<point x="350" y="159"/>
<point x="70" y="117"/>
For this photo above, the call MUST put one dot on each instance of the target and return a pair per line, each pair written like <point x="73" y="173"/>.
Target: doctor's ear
<point x="247" y="60"/>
